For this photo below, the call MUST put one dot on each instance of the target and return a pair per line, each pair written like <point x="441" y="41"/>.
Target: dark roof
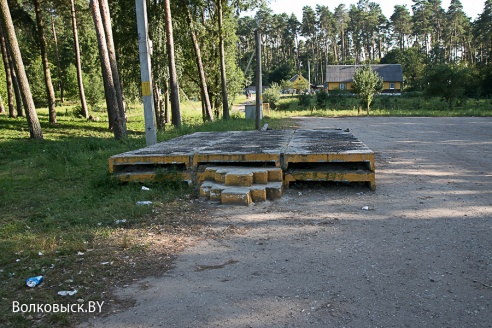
<point x="345" y="73"/>
<point x="294" y="78"/>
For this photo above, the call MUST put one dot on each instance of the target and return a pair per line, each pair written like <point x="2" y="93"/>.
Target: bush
<point x="305" y="100"/>
<point x="322" y="99"/>
<point x="338" y="98"/>
<point x="272" y="95"/>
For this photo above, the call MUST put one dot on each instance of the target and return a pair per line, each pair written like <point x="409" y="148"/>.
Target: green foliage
<point x="286" y="84"/>
<point x="366" y="83"/>
<point x="338" y="98"/>
<point x="272" y="95"/>
<point x="94" y="89"/>
<point x="70" y="82"/>
<point x="35" y="75"/>
<point x="447" y="82"/>
<point x="305" y="100"/>
<point x="413" y="66"/>
<point x="322" y="99"/>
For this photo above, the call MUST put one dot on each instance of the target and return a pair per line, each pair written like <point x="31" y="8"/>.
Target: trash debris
<point x="34" y="281"/>
<point x="40" y="254"/>
<point x="365" y="208"/>
<point x="52" y="266"/>
<point x="145" y="188"/>
<point x="18" y="260"/>
<point x="120" y="221"/>
<point x="359" y="193"/>
<point x="80" y="253"/>
<point x="67" y="292"/>
<point x="144" y="202"/>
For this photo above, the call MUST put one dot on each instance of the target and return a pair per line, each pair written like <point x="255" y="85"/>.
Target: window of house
<point x="343" y="86"/>
<point x="392" y="86"/>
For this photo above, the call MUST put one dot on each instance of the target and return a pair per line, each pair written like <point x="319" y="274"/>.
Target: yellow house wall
<point x="336" y="85"/>
<point x="386" y="85"/>
<point x="300" y="82"/>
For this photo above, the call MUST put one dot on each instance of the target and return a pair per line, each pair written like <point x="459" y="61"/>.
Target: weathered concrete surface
<point x="283" y="148"/>
<point x="420" y="257"/>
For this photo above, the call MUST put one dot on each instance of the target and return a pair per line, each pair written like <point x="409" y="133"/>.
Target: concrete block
<point x="275" y="175"/>
<point x="239" y="179"/>
<point x="260" y="177"/>
<point x="274" y="190"/>
<point x="236" y="196"/>
<point x="258" y="194"/>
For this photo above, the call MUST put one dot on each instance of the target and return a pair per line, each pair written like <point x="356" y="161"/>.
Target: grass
<point x="404" y="106"/>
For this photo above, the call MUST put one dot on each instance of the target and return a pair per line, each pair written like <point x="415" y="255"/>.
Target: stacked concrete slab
<point x="241" y="185"/>
<point x="240" y="167"/>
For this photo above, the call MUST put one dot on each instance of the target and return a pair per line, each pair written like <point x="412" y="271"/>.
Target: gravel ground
<point x="421" y="256"/>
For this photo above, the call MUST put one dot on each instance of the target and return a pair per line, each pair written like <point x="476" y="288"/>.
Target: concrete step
<point x="241" y="176"/>
<point x="235" y="195"/>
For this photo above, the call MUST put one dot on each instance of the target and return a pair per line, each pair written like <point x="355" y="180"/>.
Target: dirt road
<point x="421" y="256"/>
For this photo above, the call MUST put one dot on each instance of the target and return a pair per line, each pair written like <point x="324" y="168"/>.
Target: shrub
<point x="305" y="100"/>
<point x="322" y="99"/>
<point x="272" y="95"/>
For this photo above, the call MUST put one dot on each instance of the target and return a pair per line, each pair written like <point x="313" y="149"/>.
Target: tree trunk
<point x="58" y="65"/>
<point x="15" y="82"/>
<point x="198" y="58"/>
<point x="50" y="92"/>
<point x="175" y="109"/>
<point x="8" y="75"/>
<point x="32" y="117"/>
<point x="19" y="107"/>
<point x="115" y="121"/>
<point x="78" y="65"/>
<point x="106" y="20"/>
<point x="223" y="77"/>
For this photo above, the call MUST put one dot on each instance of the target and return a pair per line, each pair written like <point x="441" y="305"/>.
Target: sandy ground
<point x="420" y="257"/>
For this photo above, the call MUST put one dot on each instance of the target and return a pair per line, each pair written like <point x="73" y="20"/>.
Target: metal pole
<point x="309" y="77"/>
<point x="259" y="81"/>
<point x="145" y="72"/>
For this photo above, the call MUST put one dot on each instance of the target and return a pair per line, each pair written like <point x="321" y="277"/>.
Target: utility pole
<point x="259" y="81"/>
<point x="145" y="71"/>
<point x="309" y="77"/>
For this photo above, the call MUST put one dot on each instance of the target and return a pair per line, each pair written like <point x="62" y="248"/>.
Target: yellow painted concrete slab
<point x="236" y="196"/>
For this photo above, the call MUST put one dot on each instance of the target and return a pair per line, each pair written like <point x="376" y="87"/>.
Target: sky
<point x="471" y="7"/>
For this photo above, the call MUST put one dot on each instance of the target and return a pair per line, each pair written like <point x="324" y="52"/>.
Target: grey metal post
<point x="259" y="81"/>
<point x="309" y="77"/>
<point x="145" y="69"/>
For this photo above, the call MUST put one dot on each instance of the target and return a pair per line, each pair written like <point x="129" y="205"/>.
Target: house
<point x="339" y="77"/>
<point x="299" y="83"/>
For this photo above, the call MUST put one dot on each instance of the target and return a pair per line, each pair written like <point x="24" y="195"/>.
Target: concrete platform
<point x="250" y="159"/>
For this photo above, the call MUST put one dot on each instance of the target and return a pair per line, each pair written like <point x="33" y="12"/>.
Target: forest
<point x="442" y="51"/>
